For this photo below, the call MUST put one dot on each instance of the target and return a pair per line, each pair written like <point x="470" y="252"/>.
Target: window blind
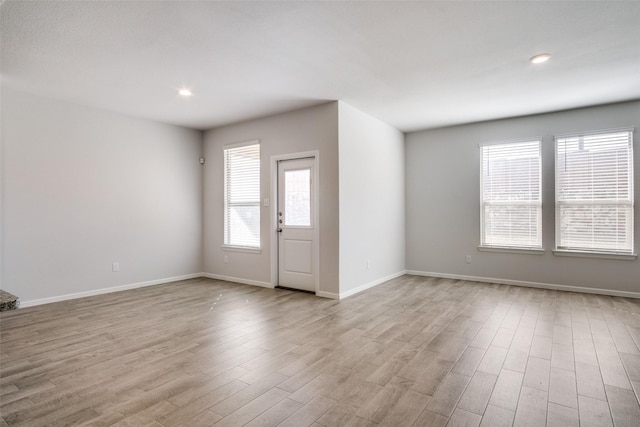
<point x="594" y="192"/>
<point x="511" y="211"/>
<point x="242" y="196"/>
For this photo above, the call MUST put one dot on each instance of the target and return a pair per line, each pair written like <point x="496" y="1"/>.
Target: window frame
<point x="594" y="252"/>
<point x="513" y="248"/>
<point x="226" y="203"/>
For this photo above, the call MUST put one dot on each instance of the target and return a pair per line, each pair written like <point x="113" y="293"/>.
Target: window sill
<point x="601" y="255"/>
<point x="511" y="250"/>
<point x="244" y="249"/>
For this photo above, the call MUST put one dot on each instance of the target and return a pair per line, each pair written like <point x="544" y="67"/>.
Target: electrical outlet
<point x="368" y="264"/>
<point x="467" y="259"/>
<point x="226" y="259"/>
<point x="115" y="267"/>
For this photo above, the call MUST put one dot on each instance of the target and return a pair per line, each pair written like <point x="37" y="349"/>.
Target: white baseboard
<point x="238" y="280"/>
<point x="361" y="288"/>
<point x="330" y="295"/>
<point x="31" y="303"/>
<point x="610" y="292"/>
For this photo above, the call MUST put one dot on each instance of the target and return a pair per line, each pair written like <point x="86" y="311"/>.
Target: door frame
<point x="273" y="220"/>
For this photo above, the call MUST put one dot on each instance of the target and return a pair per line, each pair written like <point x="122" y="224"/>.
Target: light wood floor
<point x="413" y="351"/>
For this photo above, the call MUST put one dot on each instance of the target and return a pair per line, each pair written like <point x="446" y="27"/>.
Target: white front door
<point x="296" y="224"/>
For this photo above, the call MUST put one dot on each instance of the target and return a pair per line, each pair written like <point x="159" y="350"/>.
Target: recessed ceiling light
<point x="539" y="59"/>
<point x="185" y="92"/>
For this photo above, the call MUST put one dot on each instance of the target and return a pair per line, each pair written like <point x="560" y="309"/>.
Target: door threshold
<point x="295" y="290"/>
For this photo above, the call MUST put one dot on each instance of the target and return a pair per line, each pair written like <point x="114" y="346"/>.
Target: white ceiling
<point x="414" y="65"/>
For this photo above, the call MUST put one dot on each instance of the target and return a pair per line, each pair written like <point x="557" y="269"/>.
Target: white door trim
<point x="273" y="219"/>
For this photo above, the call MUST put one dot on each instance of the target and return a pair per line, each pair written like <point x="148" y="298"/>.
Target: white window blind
<point x="511" y="208"/>
<point x="242" y="196"/>
<point x="594" y="192"/>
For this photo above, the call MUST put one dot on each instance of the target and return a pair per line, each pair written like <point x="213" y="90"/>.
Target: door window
<point x="297" y="195"/>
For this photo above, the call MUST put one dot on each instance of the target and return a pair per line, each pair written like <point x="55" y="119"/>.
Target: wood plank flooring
<point x="413" y="351"/>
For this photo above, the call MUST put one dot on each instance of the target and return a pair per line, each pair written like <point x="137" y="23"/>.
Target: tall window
<point x="242" y="195"/>
<point x="594" y="192"/>
<point x="511" y="201"/>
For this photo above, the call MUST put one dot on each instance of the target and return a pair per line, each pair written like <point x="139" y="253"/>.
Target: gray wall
<point x="443" y="219"/>
<point x="372" y="216"/>
<point x="314" y="128"/>
<point x="82" y="188"/>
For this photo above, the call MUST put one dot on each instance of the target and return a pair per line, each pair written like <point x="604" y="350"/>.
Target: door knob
<point x="279" y="230"/>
